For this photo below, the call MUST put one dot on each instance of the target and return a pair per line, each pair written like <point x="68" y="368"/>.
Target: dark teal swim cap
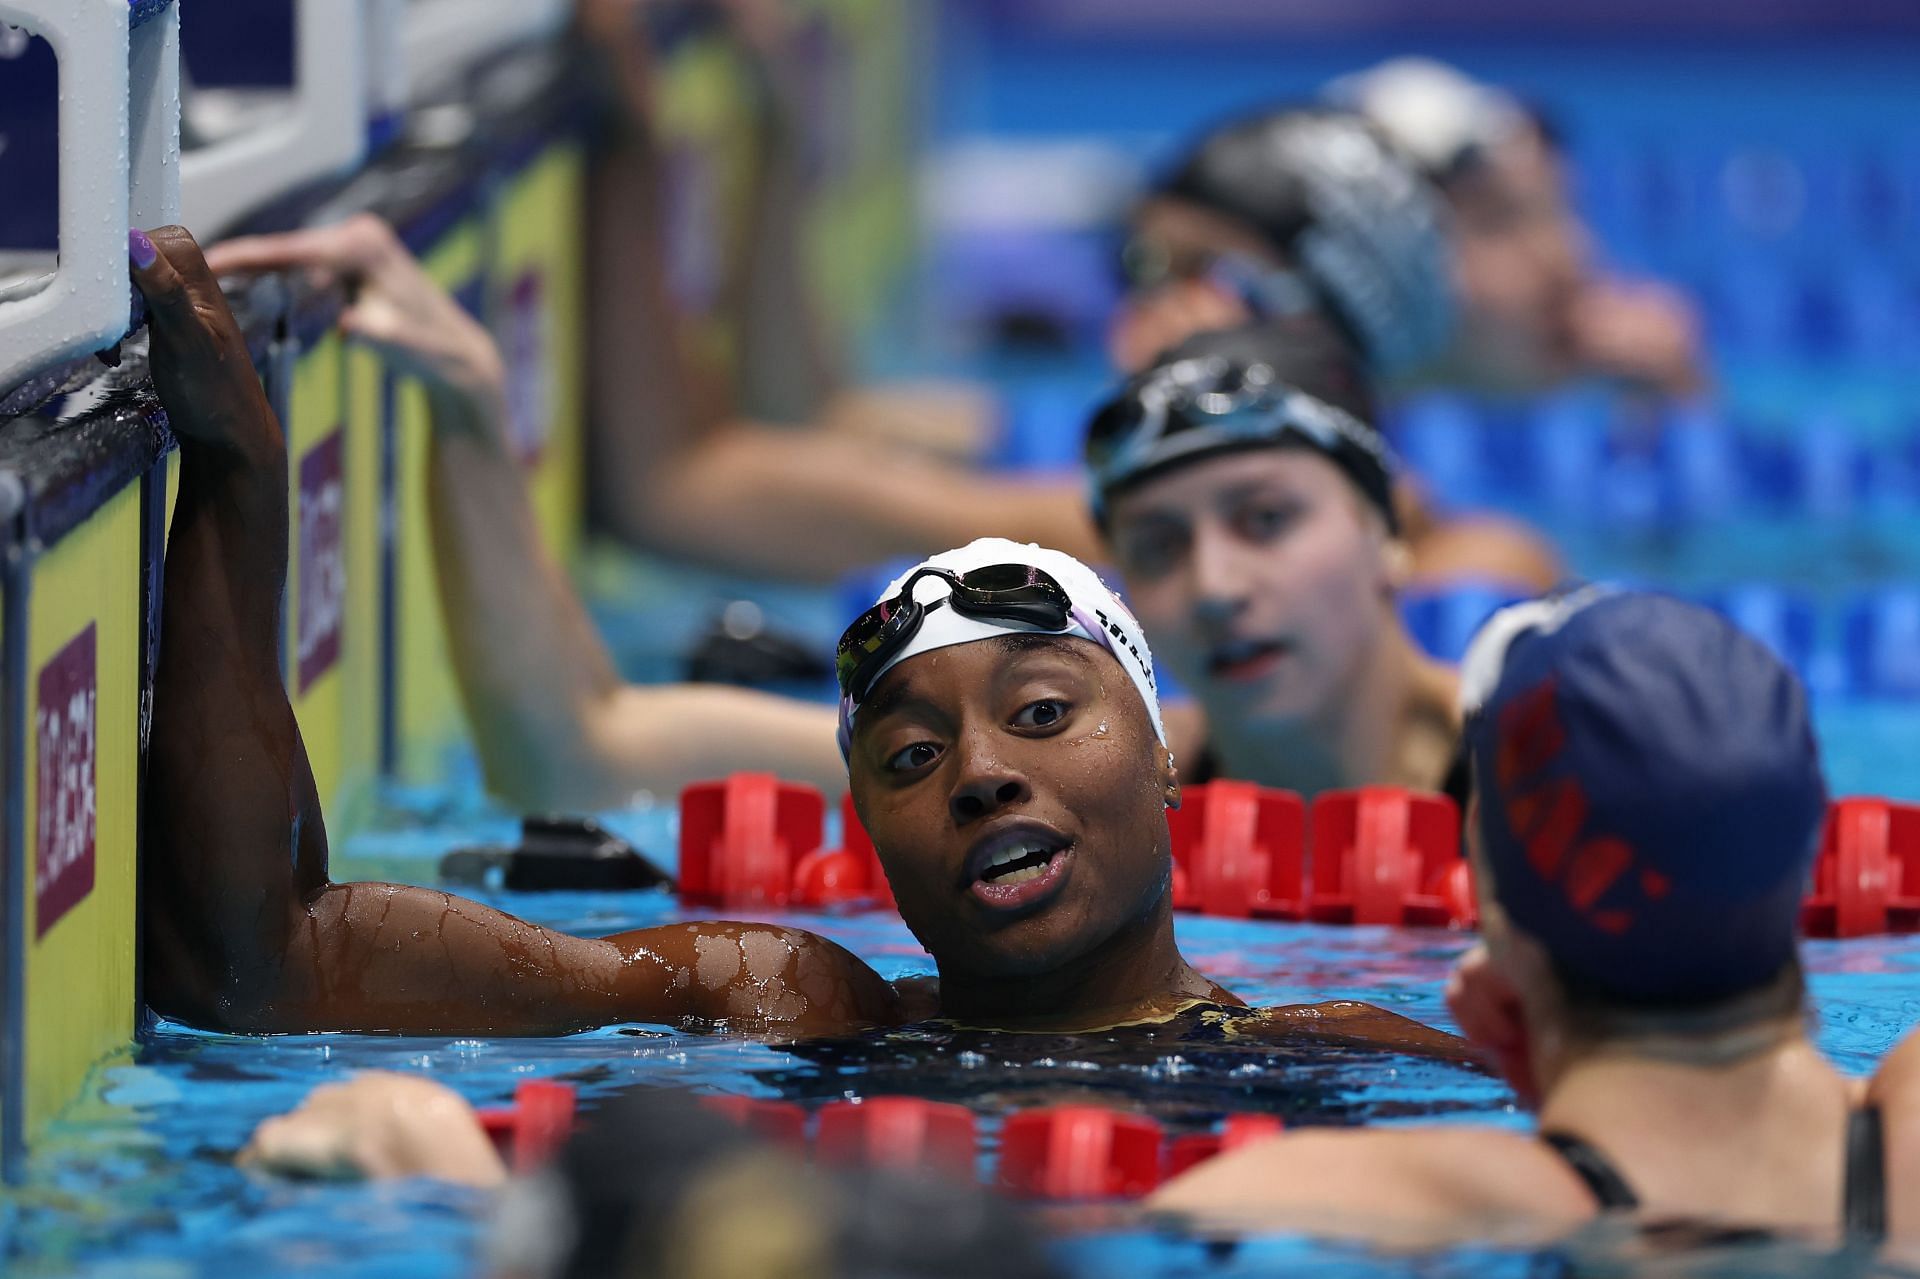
<point x="1353" y="217"/>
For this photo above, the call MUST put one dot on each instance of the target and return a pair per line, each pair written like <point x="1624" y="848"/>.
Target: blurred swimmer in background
<point x="1535" y="307"/>
<point x="1248" y="504"/>
<point x="1649" y="801"/>
<point x="1004" y="750"/>
<point x="1308" y="213"/>
<point x="1491" y="285"/>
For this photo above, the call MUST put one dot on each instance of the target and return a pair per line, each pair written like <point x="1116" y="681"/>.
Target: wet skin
<point x="244" y="931"/>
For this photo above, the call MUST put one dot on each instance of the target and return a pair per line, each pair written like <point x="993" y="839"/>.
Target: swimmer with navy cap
<point x="1004" y="749"/>
<point x="1648" y="805"/>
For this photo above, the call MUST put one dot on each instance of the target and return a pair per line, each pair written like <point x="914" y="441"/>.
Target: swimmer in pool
<point x="1003" y="748"/>
<point x="1308" y="214"/>
<point x="1649" y="800"/>
<point x="1535" y="309"/>
<point x="1488" y="286"/>
<point x="1248" y="503"/>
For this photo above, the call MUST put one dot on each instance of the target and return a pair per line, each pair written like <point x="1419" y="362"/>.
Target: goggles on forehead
<point x="1194" y="405"/>
<point x="1016" y="593"/>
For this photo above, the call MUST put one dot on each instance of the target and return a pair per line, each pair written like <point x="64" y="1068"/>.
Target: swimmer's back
<point x="1895" y="1090"/>
<point x="1432" y="1185"/>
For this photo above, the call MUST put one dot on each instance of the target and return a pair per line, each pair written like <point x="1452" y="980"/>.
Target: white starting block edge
<point x="323" y="134"/>
<point x="119" y="168"/>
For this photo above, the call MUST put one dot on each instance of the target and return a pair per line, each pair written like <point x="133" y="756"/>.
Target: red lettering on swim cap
<point x="1530" y="733"/>
<point x="1548" y="820"/>
<point x="1613" y="922"/>
<point x="1593" y="870"/>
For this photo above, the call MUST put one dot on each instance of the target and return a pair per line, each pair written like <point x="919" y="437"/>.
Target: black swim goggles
<point x="1017" y="593"/>
<point x="1148" y="264"/>
<point x="1213" y="403"/>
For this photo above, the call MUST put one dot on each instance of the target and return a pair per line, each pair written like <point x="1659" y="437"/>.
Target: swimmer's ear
<point x="1169" y="780"/>
<point x="1397" y="557"/>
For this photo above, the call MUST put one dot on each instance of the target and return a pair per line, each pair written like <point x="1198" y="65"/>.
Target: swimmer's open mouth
<point x="1017" y="864"/>
<point x="1246" y="659"/>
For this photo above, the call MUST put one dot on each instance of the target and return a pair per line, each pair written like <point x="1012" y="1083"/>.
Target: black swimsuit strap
<point x="1864" y="1209"/>
<point x="1610" y="1190"/>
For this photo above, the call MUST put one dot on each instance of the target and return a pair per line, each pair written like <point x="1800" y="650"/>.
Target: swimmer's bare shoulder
<point x="1895" y="1089"/>
<point x="1350" y="1022"/>
<point x="756" y="976"/>
<point x="1413" y="1187"/>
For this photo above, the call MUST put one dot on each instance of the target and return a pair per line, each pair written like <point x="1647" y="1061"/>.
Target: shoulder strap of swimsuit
<point x="1610" y="1190"/>
<point x="1864" y="1209"/>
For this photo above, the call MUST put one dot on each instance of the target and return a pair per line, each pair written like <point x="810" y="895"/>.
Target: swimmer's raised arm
<point x="555" y="725"/>
<point x="244" y="931"/>
<point x="677" y="468"/>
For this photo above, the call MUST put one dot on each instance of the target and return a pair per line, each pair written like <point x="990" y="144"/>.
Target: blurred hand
<point x="201" y="368"/>
<point x="396" y="307"/>
<point x="1487" y="1007"/>
<point x="1638" y="330"/>
<point x="378" y="1125"/>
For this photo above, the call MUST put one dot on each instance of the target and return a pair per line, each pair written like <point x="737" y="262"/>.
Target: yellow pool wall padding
<point x="80" y="976"/>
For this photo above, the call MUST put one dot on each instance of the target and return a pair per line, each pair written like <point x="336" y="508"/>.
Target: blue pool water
<point x="138" y="1180"/>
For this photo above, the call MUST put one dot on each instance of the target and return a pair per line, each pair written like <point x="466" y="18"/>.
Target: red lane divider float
<point x="1384" y="855"/>
<point x="1054" y="1152"/>
<point x="1239" y="850"/>
<point x="1377" y="855"/>
<point x="1866" y="880"/>
<point x="1080" y="1152"/>
<point x="753" y="841"/>
<point x="899" y="1132"/>
<point x="1198" y="1147"/>
<point x="780" y="1122"/>
<point x="531" y="1131"/>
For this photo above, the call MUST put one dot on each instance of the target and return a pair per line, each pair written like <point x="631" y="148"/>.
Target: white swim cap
<point x="1097" y="615"/>
<point x="1433" y="113"/>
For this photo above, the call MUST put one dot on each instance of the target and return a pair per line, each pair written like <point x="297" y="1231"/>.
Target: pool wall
<point x="88" y="475"/>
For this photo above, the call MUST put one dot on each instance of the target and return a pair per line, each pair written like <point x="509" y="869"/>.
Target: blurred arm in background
<point x="679" y="470"/>
<point x="555" y="725"/>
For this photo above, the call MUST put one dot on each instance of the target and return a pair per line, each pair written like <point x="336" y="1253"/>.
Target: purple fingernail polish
<point x="141" y="249"/>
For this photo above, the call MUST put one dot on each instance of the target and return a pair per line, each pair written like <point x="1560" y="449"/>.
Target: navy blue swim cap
<point x="1650" y="795"/>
